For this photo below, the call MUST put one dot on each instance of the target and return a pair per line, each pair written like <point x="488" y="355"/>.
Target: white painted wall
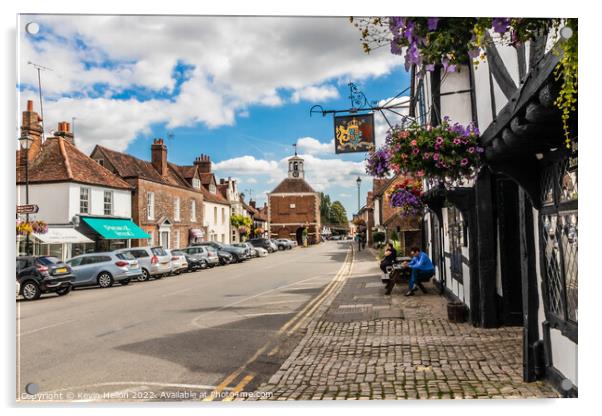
<point x="564" y="355"/>
<point x="218" y="227"/>
<point x="52" y="198"/>
<point x="122" y="200"/>
<point x="456" y="106"/>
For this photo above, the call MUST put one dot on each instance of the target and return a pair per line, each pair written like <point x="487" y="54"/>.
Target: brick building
<point x="164" y="203"/>
<point x="294" y="206"/>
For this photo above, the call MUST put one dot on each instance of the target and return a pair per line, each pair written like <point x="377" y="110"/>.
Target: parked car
<point x="42" y="274"/>
<point x="261" y="252"/>
<point x="239" y="253"/>
<point x="285" y="243"/>
<point x="280" y="244"/>
<point x="264" y="243"/>
<point x="104" y="269"/>
<point x="193" y="262"/>
<point x="203" y="253"/>
<point x="178" y="262"/>
<point x="225" y="257"/>
<point x="154" y="261"/>
<point x="248" y="246"/>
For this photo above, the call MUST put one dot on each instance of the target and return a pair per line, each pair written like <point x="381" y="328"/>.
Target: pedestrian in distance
<point x="422" y="270"/>
<point x="358" y="239"/>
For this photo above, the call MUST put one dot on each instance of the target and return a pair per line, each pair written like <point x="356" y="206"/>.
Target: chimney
<point x="203" y="163"/>
<point x="159" y="156"/>
<point x="252" y="203"/>
<point x="31" y="126"/>
<point x="64" y="131"/>
<point x="221" y="181"/>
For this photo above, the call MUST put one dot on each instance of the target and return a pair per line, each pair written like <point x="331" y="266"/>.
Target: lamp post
<point x="26" y="142"/>
<point x="359" y="182"/>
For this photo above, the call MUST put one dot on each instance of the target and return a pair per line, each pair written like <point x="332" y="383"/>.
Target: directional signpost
<point x="27" y="209"/>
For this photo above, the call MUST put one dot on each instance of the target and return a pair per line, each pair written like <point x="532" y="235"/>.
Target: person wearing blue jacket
<point x="422" y="270"/>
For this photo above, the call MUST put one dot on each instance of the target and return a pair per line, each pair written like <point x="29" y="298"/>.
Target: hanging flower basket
<point x="378" y="162"/>
<point x="25" y="228"/>
<point x="259" y="231"/>
<point x="243" y="230"/>
<point x="407" y="195"/>
<point x="445" y="153"/>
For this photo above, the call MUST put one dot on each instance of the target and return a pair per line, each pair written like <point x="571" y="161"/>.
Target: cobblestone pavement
<point x="365" y="345"/>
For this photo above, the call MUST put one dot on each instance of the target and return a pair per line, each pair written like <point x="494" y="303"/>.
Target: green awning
<point x="115" y="228"/>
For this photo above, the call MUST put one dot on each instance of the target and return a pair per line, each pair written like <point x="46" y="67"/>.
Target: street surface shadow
<point x="221" y="349"/>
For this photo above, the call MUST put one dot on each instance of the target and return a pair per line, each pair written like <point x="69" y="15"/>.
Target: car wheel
<point x="125" y="282"/>
<point x="280" y="248"/>
<point x="30" y="291"/>
<point x="105" y="280"/>
<point x="144" y="276"/>
<point x="63" y="291"/>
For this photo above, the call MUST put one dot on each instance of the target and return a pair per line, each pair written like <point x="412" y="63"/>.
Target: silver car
<point x="154" y="261"/>
<point x="104" y="269"/>
<point x="178" y="262"/>
<point x="208" y="254"/>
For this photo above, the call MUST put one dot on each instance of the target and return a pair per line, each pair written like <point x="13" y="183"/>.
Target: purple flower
<point x="432" y="23"/>
<point x="395" y="48"/>
<point x="430" y="67"/>
<point x="480" y="149"/>
<point x="474" y="53"/>
<point x="500" y="24"/>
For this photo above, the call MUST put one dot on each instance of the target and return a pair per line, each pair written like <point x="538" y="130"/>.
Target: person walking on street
<point x="358" y="238"/>
<point x="422" y="270"/>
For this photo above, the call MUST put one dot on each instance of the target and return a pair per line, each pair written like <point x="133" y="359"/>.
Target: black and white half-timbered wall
<point x="505" y="243"/>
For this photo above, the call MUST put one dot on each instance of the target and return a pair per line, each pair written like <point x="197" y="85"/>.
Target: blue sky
<point x="242" y="100"/>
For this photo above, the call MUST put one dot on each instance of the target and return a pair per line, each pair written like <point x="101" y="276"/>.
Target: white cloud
<point x="246" y="165"/>
<point x="237" y="62"/>
<point x="313" y="146"/>
<point x="312" y="93"/>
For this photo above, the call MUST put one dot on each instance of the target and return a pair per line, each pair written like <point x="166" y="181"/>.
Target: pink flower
<point x="437" y="146"/>
<point x="413" y="143"/>
<point x="420" y="173"/>
<point x="404" y="156"/>
<point x="439" y="140"/>
<point x="404" y="134"/>
<point x="415" y="151"/>
<point x="435" y="156"/>
<point x="464" y="162"/>
<point x="457" y="141"/>
<point x="471" y="150"/>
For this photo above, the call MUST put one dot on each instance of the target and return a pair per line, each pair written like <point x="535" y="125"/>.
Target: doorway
<point x="299" y="235"/>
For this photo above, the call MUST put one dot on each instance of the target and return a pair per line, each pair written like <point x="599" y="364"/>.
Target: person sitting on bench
<point x="422" y="270"/>
<point x="389" y="259"/>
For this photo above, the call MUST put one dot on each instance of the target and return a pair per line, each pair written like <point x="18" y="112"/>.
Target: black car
<point x="43" y="274"/>
<point x="225" y="257"/>
<point x="263" y="243"/>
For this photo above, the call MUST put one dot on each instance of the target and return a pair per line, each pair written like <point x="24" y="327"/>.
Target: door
<point x="83" y="269"/>
<point x="165" y="239"/>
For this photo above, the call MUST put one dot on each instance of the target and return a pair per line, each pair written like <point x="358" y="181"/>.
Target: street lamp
<point x="359" y="182"/>
<point x="25" y="142"/>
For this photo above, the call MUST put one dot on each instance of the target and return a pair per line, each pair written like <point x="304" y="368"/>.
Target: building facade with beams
<point x="505" y="243"/>
<point x="294" y="206"/>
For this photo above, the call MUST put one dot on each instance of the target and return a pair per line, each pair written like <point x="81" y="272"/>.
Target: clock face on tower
<point x="295" y="174"/>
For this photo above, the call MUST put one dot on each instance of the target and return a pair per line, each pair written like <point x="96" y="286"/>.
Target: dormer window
<point x="212" y="188"/>
<point x="196" y="183"/>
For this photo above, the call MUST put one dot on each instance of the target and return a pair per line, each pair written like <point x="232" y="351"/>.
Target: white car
<point x="179" y="263"/>
<point x="261" y="252"/>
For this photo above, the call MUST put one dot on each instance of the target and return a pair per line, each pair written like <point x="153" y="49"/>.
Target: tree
<point x="325" y="207"/>
<point x="338" y="214"/>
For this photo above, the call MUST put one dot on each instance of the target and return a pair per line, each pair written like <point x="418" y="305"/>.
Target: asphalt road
<point x="177" y="338"/>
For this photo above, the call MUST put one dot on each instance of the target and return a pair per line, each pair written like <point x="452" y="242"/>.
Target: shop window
<point x="455" y="226"/>
<point x="559" y="236"/>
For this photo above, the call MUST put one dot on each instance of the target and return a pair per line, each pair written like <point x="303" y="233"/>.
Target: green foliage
<point x="238" y="220"/>
<point x="338" y="214"/>
<point x="568" y="69"/>
<point x="394" y="236"/>
<point x="325" y="205"/>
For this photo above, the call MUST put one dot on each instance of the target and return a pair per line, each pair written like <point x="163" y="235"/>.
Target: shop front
<point x="60" y="242"/>
<point x="197" y="235"/>
<point x="111" y="233"/>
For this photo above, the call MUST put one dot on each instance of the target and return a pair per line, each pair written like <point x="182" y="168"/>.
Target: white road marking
<point x="33" y="331"/>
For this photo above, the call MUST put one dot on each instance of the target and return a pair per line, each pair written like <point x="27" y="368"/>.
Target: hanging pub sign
<point x="354" y="133"/>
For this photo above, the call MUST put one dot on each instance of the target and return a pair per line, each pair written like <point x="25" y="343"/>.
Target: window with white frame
<point x="212" y="188"/>
<point x="150" y="205"/>
<point x="176" y="209"/>
<point x="108" y="202"/>
<point x="193" y="210"/>
<point x="223" y="216"/>
<point x="196" y="182"/>
<point x="84" y="200"/>
<point x="215" y="215"/>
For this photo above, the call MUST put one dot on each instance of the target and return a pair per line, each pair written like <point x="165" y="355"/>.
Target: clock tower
<point x="295" y="168"/>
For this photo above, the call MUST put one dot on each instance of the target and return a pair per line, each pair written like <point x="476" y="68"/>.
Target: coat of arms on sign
<point x="354" y="133"/>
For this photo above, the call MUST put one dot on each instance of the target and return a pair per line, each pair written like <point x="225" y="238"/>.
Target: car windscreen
<point x="48" y="261"/>
<point x="177" y="253"/>
<point x="125" y="256"/>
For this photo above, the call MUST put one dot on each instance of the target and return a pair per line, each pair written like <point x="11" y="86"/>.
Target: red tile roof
<point x="290" y="185"/>
<point x="215" y="198"/>
<point x="128" y="166"/>
<point x="61" y="161"/>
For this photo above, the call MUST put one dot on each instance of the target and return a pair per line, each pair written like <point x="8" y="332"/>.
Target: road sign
<point x="27" y="209"/>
